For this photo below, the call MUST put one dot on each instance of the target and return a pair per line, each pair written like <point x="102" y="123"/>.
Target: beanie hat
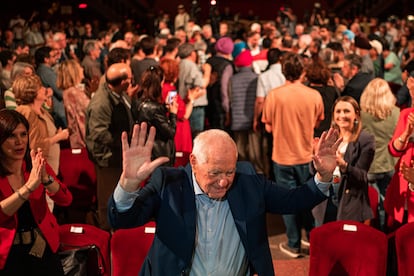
<point x="244" y="59"/>
<point x="224" y="45"/>
<point x="376" y="45"/>
<point x="238" y="48"/>
<point x="349" y="34"/>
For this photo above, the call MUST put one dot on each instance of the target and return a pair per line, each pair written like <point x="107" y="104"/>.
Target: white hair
<point x="208" y="139"/>
<point x="58" y="36"/>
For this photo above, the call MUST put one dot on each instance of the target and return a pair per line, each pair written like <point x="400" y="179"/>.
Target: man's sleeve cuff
<point x="322" y="186"/>
<point x="123" y="199"/>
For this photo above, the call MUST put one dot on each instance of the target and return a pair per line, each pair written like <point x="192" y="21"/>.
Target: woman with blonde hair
<point x="379" y="116"/>
<point x="75" y="100"/>
<point x="31" y="95"/>
<point x="18" y="69"/>
<point x="349" y="193"/>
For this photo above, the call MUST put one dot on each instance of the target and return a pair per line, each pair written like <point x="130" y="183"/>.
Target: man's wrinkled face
<point x="215" y="176"/>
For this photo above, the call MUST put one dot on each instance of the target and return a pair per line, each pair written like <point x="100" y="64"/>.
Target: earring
<point x="356" y="122"/>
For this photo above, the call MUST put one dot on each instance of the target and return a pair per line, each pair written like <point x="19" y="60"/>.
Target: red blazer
<point x="45" y="220"/>
<point x="398" y="194"/>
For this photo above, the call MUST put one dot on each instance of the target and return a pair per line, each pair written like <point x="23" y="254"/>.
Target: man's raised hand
<point x="136" y="157"/>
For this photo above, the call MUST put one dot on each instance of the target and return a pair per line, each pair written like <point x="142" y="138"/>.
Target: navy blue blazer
<point x="169" y="199"/>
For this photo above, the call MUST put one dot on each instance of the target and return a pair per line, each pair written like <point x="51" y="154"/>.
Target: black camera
<point x="282" y="11"/>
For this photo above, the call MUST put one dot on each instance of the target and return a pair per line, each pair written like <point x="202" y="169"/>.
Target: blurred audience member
<point x="379" y="116"/>
<point x="319" y="77"/>
<point x="75" y="100"/>
<point x="19" y="69"/>
<point x="399" y="203"/>
<point x="154" y="110"/>
<point x="31" y="95"/>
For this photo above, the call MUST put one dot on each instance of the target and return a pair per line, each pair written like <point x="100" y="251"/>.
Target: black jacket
<point x="155" y="114"/>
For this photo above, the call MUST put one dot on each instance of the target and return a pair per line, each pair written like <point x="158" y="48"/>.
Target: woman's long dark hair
<point x="9" y="120"/>
<point x="151" y="84"/>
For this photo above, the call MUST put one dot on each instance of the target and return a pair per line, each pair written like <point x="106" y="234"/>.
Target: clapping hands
<point x="324" y="158"/>
<point x="407" y="171"/>
<point x="38" y="168"/>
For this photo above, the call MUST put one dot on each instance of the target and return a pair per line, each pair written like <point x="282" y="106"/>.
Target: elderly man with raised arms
<point x="210" y="215"/>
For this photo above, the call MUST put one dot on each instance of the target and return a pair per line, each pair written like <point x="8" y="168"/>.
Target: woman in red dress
<point x="183" y="139"/>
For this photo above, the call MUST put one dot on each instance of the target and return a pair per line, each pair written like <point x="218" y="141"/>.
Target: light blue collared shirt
<point x="218" y="249"/>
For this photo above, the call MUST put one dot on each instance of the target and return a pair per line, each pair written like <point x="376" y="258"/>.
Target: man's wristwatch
<point x="49" y="181"/>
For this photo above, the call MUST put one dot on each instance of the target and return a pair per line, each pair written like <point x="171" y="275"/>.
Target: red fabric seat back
<point x="404" y="243"/>
<point x="90" y="235"/>
<point x="347" y="248"/>
<point x="78" y="173"/>
<point x="373" y="200"/>
<point x="129" y="247"/>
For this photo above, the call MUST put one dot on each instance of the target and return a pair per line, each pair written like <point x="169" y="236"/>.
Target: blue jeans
<point x="381" y="180"/>
<point x="292" y="177"/>
<point x="197" y="119"/>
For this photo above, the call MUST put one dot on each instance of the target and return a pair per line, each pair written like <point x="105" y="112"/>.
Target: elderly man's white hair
<point x="255" y="27"/>
<point x="59" y="36"/>
<point x="209" y="139"/>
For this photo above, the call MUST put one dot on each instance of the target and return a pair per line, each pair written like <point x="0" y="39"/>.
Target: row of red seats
<point x="122" y="253"/>
<point x="336" y="248"/>
<point x="353" y="248"/>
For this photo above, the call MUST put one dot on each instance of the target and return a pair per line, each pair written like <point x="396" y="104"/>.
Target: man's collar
<point x="197" y="189"/>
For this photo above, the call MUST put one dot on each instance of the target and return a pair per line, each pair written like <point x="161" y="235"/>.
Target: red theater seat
<point x="181" y="158"/>
<point x="78" y="173"/>
<point x="347" y="248"/>
<point x="404" y="243"/>
<point x="81" y="235"/>
<point x="129" y="247"/>
<point x="373" y="196"/>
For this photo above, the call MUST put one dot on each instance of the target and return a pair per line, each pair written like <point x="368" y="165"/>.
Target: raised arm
<point x="324" y="158"/>
<point x="136" y="157"/>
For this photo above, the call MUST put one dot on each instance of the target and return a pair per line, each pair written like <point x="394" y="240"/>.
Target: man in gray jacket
<point x="108" y="115"/>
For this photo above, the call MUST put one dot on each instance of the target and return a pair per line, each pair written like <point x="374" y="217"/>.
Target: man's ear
<point x="193" y="160"/>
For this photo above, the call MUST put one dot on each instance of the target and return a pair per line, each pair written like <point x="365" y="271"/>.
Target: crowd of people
<point x="321" y="110"/>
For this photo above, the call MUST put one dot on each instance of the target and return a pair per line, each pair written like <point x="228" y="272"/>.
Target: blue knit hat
<point x="349" y="34"/>
<point x="238" y="48"/>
